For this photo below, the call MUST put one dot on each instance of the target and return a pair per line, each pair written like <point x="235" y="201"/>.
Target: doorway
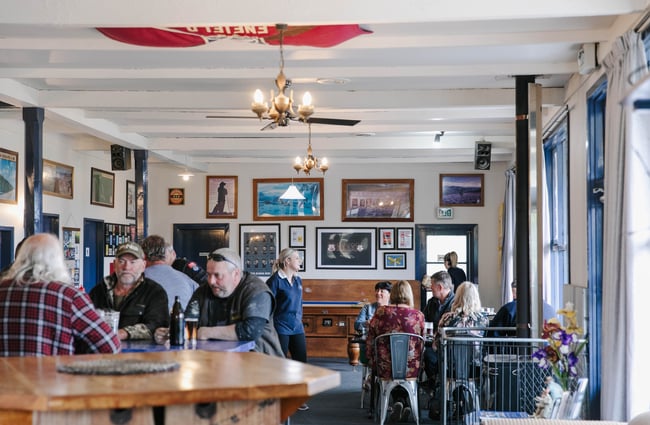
<point x="433" y="241"/>
<point x="93" y="253"/>
<point x="51" y="224"/>
<point x="6" y="246"/>
<point x="196" y="241"/>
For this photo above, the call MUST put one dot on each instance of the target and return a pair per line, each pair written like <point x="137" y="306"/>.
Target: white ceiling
<point x="428" y="66"/>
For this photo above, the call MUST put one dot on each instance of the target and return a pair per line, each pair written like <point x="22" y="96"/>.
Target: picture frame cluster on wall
<point x="395" y="238"/>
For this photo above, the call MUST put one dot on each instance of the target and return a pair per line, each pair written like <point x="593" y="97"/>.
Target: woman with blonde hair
<point x="465" y="312"/>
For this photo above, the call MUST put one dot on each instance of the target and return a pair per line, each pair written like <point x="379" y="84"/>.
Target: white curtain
<point x="624" y="65"/>
<point x="508" y="242"/>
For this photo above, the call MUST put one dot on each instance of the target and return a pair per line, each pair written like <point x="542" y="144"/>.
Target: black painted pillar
<point x="33" y="118"/>
<point x="522" y="205"/>
<point x="141" y="183"/>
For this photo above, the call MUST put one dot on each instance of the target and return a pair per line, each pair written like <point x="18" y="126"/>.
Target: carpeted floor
<point x="341" y="405"/>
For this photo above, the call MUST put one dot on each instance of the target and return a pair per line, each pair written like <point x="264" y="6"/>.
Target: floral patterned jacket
<point x="389" y="319"/>
<point x="457" y="319"/>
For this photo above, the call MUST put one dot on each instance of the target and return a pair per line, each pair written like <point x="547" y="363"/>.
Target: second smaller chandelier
<point x="310" y="162"/>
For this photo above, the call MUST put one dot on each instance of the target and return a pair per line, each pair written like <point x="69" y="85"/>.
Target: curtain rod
<point x="555" y="120"/>
<point x="643" y="22"/>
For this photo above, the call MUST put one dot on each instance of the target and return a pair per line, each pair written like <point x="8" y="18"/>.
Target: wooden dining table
<point x="138" y="346"/>
<point x="207" y="387"/>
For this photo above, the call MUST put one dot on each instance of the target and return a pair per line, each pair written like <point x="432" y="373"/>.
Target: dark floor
<point x="340" y="405"/>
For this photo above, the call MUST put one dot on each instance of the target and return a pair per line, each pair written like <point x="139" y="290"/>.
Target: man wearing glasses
<point x="234" y="306"/>
<point x="142" y="303"/>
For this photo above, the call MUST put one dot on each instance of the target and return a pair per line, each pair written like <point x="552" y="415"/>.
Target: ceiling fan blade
<point x="332" y="121"/>
<point x="270" y="126"/>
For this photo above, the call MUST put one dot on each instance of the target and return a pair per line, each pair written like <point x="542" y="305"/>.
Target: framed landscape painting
<point x="8" y="176"/>
<point x="377" y="200"/>
<point x="461" y="190"/>
<point x="102" y="188"/>
<point x="267" y="204"/>
<point x="58" y="179"/>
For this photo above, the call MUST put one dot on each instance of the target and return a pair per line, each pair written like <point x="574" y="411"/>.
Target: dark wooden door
<point x="196" y="241"/>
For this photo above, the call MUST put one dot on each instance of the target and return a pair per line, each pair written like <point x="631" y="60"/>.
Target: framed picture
<point x="377" y="200"/>
<point x="259" y="245"/>
<point x="296" y="236"/>
<point x="221" y="196"/>
<point x="176" y="196"/>
<point x="58" y="179"/>
<point x="267" y="204"/>
<point x="461" y="190"/>
<point x="8" y="176"/>
<point x="404" y="237"/>
<point x="301" y="253"/>
<point x="386" y="238"/>
<point x="102" y="188"/>
<point x="346" y="248"/>
<point x="394" y="260"/>
<point x="130" y="199"/>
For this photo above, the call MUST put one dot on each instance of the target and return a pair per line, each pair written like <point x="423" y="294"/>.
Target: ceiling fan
<point x="281" y="111"/>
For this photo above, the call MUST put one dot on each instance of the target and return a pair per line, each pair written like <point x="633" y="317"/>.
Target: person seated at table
<point x="234" y="306"/>
<point x="398" y="316"/>
<point x="142" y="303"/>
<point x="442" y="290"/>
<point x="42" y="313"/>
<point x="157" y="253"/>
<point x="382" y="294"/>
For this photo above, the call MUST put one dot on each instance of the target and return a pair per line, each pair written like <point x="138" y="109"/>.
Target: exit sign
<point x="445" y="213"/>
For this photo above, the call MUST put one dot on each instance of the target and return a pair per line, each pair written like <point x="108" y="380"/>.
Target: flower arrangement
<point x="564" y="347"/>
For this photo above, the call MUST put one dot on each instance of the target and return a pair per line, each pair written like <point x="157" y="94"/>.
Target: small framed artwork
<point x="296" y="236"/>
<point x="102" y="188"/>
<point x="386" y="238"/>
<point x="57" y="179"/>
<point x="269" y="205"/>
<point x="404" y="237"/>
<point x="176" y="196"/>
<point x="461" y="190"/>
<point x="259" y="245"/>
<point x="130" y="199"/>
<point x="221" y="196"/>
<point x="394" y="260"/>
<point x="301" y="253"/>
<point x="377" y="200"/>
<point x="346" y="248"/>
<point x="8" y="176"/>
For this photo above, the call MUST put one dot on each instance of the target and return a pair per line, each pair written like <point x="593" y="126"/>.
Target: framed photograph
<point x="176" y="196"/>
<point x="130" y="199"/>
<point x="8" y="176"/>
<point x="296" y="236"/>
<point x="377" y="200"/>
<point x="461" y="190"/>
<point x="57" y="179"/>
<point x="301" y="252"/>
<point x="386" y="238"/>
<point x="346" y="248"/>
<point x="404" y="237"/>
<point x="394" y="260"/>
<point x="259" y="246"/>
<point x="221" y="196"/>
<point x="102" y="188"/>
<point x="267" y="204"/>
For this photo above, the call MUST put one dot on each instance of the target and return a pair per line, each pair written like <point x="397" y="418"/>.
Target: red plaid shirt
<point x="42" y="319"/>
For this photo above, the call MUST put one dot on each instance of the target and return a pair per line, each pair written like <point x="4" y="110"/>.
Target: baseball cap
<point x="130" y="248"/>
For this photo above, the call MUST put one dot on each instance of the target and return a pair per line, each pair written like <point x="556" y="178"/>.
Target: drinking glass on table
<point x="192" y="329"/>
<point x="111" y="317"/>
<point x="428" y="329"/>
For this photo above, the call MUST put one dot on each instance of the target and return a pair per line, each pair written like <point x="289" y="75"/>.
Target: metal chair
<point x="400" y="354"/>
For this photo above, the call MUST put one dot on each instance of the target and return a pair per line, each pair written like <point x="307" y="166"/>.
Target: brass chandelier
<point x="281" y="109"/>
<point x="310" y="162"/>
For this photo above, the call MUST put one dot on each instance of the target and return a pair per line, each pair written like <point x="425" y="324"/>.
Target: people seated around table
<point x="234" y="305"/>
<point x="175" y="283"/>
<point x="142" y="303"/>
<point x="397" y="316"/>
<point x="506" y="317"/>
<point x="382" y="295"/>
<point x="42" y="313"/>
<point x="457" y="274"/>
<point x="442" y="291"/>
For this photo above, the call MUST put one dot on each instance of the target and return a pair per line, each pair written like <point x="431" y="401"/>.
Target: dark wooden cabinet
<point x="328" y="328"/>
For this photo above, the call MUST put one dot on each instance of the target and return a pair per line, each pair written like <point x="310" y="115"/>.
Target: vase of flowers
<point x="562" y="352"/>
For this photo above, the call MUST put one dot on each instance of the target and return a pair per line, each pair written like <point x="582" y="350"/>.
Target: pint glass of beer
<point x="191" y="327"/>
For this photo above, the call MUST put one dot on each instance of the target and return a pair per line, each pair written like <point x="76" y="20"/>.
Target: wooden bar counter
<point x="208" y="388"/>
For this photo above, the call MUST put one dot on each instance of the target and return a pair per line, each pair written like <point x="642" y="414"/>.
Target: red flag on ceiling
<point x="313" y="35"/>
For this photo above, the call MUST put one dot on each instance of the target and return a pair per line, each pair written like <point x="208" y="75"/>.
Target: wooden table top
<point x="32" y="383"/>
<point x="138" y="346"/>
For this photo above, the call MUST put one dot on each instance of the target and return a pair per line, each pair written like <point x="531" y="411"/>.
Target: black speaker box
<point x="482" y="156"/>
<point x="120" y="158"/>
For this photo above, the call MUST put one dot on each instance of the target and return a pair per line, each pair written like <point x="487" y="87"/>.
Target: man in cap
<point x="142" y="303"/>
<point x="234" y="306"/>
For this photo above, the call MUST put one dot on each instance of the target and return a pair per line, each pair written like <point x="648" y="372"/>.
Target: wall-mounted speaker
<point x="120" y="158"/>
<point x="482" y="155"/>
